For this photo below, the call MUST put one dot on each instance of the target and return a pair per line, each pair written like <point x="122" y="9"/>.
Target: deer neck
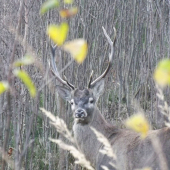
<point x="86" y="139"/>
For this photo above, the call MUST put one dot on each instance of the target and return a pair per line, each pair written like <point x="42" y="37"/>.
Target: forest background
<point x="143" y="38"/>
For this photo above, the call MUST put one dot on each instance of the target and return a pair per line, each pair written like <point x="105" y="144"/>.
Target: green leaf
<point x="25" y="78"/>
<point x="27" y="60"/>
<point x="50" y="4"/>
<point x="3" y="86"/>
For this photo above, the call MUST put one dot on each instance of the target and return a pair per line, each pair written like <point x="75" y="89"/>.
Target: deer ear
<point x="98" y="88"/>
<point x="64" y="93"/>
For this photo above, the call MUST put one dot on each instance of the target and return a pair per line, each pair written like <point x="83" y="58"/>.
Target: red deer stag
<point x="131" y="151"/>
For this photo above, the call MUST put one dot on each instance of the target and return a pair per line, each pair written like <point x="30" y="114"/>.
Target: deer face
<point x="83" y="102"/>
<point x="82" y="105"/>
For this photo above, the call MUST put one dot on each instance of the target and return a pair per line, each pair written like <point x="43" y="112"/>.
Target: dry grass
<point x="107" y="148"/>
<point x="59" y="124"/>
<point x="80" y="158"/>
<point x="164" y="109"/>
<point x="61" y="127"/>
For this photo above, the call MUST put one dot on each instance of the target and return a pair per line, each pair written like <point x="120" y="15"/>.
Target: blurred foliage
<point x="3" y="86"/>
<point x="77" y="48"/>
<point x="58" y="33"/>
<point x="47" y="5"/>
<point x="22" y="75"/>
<point x="139" y="124"/>
<point x="26" y="60"/>
<point x="162" y="73"/>
<point x="66" y="13"/>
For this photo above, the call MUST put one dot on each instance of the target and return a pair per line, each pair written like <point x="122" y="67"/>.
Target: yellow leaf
<point x="66" y="13"/>
<point x="50" y="4"/>
<point x="27" y="60"/>
<point x="3" y="86"/>
<point x="68" y="1"/>
<point x="139" y="124"/>
<point x="77" y="48"/>
<point x="22" y="75"/>
<point x="162" y="77"/>
<point x="58" y="33"/>
<point x="162" y="73"/>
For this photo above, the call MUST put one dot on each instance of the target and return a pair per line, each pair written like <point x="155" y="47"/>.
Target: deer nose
<point x="79" y="113"/>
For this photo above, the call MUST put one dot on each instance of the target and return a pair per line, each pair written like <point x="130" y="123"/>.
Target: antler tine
<point x="55" y="70"/>
<point x="69" y="84"/>
<point x="90" y="79"/>
<point x="110" y="56"/>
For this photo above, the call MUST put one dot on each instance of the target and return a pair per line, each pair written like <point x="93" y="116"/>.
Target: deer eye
<point x="91" y="100"/>
<point x="71" y="102"/>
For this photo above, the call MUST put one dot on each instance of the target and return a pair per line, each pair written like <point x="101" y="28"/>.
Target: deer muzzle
<point x="80" y="113"/>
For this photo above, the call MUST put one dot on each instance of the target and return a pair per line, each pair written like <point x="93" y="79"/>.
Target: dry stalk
<point x="158" y="149"/>
<point x="59" y="124"/>
<point x="107" y="148"/>
<point x="164" y="109"/>
<point x="80" y="158"/>
<point x="61" y="127"/>
<point x="104" y="167"/>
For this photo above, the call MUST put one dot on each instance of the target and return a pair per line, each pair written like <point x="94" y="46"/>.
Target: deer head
<point x="82" y="101"/>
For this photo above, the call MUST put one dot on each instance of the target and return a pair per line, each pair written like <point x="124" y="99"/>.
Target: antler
<point x="55" y="71"/>
<point x="110" y="58"/>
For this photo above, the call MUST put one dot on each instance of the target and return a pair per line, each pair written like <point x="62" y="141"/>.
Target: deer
<point x="132" y="152"/>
